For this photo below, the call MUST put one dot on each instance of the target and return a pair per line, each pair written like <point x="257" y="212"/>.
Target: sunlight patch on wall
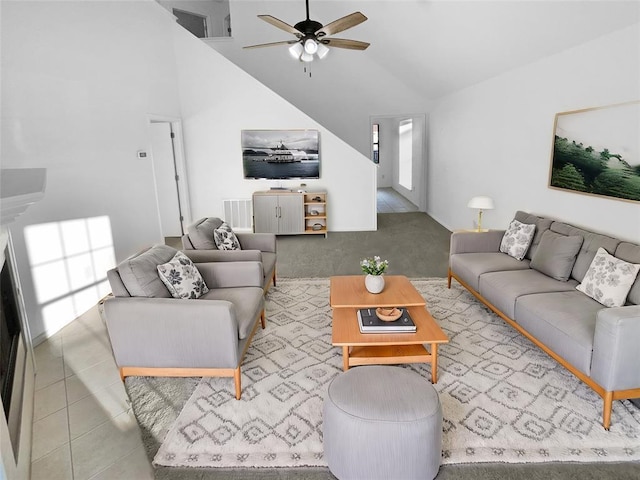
<point x="69" y="262"/>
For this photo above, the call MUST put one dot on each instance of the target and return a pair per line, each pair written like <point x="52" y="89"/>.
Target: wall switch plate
<point x="141" y="154"/>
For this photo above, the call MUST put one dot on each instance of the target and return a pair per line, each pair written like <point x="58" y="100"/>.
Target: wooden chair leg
<point x="606" y="412"/>
<point x="237" y="378"/>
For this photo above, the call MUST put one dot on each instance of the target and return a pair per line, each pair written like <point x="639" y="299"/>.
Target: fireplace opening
<point x="12" y="355"/>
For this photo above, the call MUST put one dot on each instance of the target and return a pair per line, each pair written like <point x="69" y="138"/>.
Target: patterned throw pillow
<point x="225" y="238"/>
<point x="609" y="279"/>
<point x="517" y="238"/>
<point x="182" y="278"/>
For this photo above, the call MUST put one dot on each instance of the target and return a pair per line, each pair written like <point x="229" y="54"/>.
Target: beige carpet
<point x="503" y="399"/>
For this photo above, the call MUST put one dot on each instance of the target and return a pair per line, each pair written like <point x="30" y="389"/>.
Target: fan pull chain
<point x="309" y="72"/>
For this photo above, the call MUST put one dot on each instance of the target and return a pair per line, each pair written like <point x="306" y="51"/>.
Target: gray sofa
<point x="598" y="344"/>
<point x="258" y="247"/>
<point x="154" y="334"/>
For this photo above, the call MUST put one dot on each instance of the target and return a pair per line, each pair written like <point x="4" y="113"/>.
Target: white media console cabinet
<point x="288" y="212"/>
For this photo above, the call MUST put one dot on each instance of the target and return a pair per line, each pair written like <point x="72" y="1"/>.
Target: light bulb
<point x="306" y="57"/>
<point x="310" y="46"/>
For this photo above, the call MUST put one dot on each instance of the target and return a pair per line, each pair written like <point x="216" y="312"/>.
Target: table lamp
<point x="480" y="203"/>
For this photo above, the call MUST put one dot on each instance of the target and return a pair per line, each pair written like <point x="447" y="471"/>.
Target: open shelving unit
<point x="315" y="213"/>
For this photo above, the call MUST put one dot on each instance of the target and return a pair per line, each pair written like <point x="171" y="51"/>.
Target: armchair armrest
<point x="265" y="242"/>
<point x="614" y="363"/>
<point x="204" y="256"/>
<point x="169" y="332"/>
<point x="231" y="274"/>
<point x="475" y="242"/>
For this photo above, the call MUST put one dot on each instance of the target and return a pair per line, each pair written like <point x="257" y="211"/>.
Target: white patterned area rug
<point x="503" y="399"/>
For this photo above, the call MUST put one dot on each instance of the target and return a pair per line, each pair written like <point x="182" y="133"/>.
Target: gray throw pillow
<point x="225" y="238"/>
<point x="556" y="255"/>
<point x="201" y="233"/>
<point x="139" y="273"/>
<point x="517" y="238"/>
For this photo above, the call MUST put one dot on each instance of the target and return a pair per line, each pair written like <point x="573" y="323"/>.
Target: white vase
<point x="374" y="283"/>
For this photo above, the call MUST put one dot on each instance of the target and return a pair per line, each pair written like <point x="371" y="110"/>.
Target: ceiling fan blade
<point x="276" y="22"/>
<point x="344" y="43"/>
<point x="341" y="24"/>
<point x="272" y="44"/>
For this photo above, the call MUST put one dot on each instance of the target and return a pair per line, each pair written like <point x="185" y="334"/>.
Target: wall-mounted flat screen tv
<point x="280" y="154"/>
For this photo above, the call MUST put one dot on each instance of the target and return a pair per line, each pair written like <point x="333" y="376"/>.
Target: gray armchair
<point x="154" y="334"/>
<point x="260" y="247"/>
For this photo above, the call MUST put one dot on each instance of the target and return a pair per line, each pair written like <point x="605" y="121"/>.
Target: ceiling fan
<point x="311" y="36"/>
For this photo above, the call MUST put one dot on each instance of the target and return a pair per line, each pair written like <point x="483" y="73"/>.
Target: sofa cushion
<point x="201" y="233"/>
<point x="248" y="302"/>
<point x="592" y="241"/>
<point x="556" y="255"/>
<point x="563" y="321"/>
<point x="469" y="266"/>
<point x="502" y="289"/>
<point x="182" y="278"/>
<point x="609" y="279"/>
<point x="140" y="275"/>
<point x="225" y="238"/>
<point x="542" y="225"/>
<point x="630" y="252"/>
<point x="517" y="238"/>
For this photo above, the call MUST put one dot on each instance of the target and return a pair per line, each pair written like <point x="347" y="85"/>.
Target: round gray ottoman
<point x="382" y="422"/>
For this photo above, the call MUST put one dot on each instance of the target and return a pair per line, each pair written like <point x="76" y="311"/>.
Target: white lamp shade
<point x="481" y="202"/>
<point x="306" y="57"/>
<point x="295" y="50"/>
<point x="322" y="50"/>
<point x="310" y="46"/>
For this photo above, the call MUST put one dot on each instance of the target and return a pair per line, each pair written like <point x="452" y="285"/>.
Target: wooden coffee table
<point x="347" y="294"/>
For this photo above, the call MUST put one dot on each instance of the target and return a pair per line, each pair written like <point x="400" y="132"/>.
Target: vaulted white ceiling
<point x="420" y="50"/>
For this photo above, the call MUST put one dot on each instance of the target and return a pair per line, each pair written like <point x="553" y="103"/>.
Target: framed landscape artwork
<point x="596" y="151"/>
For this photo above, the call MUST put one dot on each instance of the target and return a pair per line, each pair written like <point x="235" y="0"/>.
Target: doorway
<point x="170" y="178"/>
<point x="401" y="158"/>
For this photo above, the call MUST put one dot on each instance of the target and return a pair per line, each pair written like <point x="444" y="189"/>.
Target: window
<point x="375" y="142"/>
<point x="405" y="154"/>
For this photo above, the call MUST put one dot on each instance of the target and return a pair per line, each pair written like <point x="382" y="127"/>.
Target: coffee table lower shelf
<point x="355" y="355"/>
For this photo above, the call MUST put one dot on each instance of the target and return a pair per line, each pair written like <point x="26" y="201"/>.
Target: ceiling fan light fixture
<point x="306" y="57"/>
<point x="310" y="46"/>
<point x="296" y="50"/>
<point x="322" y="50"/>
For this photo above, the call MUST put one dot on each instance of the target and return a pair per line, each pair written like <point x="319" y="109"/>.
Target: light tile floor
<point x="390" y="201"/>
<point x="83" y="425"/>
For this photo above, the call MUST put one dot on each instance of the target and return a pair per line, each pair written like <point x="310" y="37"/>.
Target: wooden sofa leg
<point x="237" y="377"/>
<point x="263" y="320"/>
<point x="606" y="412"/>
<point x="449" y="278"/>
<point x="274" y="277"/>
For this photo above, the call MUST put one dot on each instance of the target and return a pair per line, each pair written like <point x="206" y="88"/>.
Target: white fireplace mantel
<point x="19" y="188"/>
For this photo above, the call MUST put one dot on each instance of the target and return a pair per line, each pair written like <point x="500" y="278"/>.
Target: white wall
<point x="495" y="138"/>
<point x="218" y="101"/>
<point x="78" y="81"/>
